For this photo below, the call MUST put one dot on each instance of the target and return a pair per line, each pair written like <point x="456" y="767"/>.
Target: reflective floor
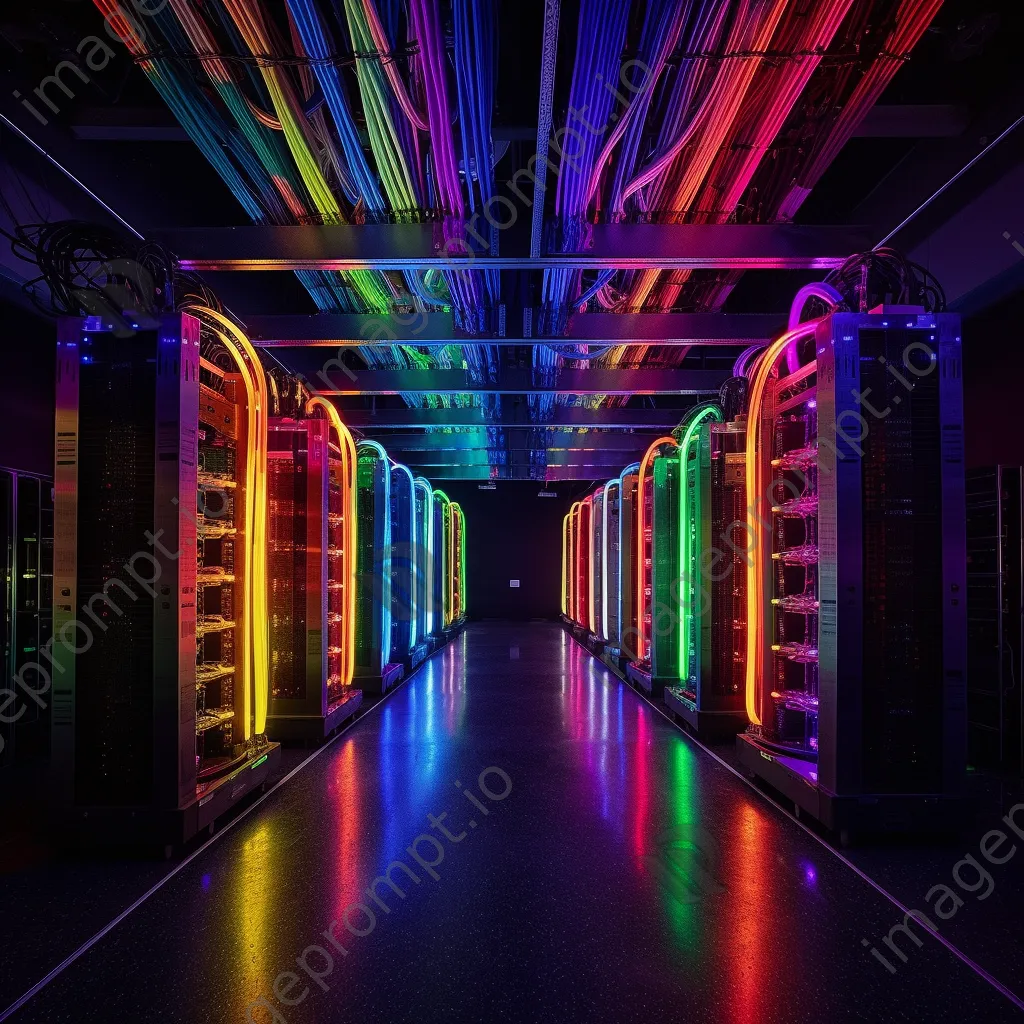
<point x="585" y="862"/>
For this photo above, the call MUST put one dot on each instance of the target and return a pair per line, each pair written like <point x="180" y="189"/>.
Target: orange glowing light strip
<point x="256" y="689"/>
<point x="648" y="458"/>
<point x="759" y="541"/>
<point x="351" y="535"/>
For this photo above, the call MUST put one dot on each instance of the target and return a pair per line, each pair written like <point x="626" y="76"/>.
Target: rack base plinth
<point x="314" y="729"/>
<point x="148" y="827"/>
<point x="391" y="675"/>
<point x="704" y="724"/>
<point x="642" y="679"/>
<point x="419" y="654"/>
<point x="852" y="814"/>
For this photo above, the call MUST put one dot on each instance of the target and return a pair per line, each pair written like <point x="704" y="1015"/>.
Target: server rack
<point x="425" y="562"/>
<point x="584" y="610"/>
<point x="311" y="570"/>
<point x="159" y="660"/>
<point x="567" y="598"/>
<point x="26" y="608"/>
<point x="375" y="669"/>
<point x="856" y="595"/>
<point x="442" y="563"/>
<point x="457" y="556"/>
<point x="628" y="524"/>
<point x="712" y="600"/>
<point x="610" y="565"/>
<point x="995" y="611"/>
<point x="598" y="571"/>
<point x="656" y="545"/>
<point x="404" y="626"/>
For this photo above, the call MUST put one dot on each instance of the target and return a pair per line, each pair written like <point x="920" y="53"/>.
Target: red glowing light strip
<point x="641" y="573"/>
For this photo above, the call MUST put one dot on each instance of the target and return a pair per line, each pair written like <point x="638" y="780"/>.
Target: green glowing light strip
<point x="689" y="527"/>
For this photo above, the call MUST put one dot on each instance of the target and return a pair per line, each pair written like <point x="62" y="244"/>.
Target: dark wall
<point x="511" y="534"/>
<point x="993" y="344"/>
<point x="29" y="345"/>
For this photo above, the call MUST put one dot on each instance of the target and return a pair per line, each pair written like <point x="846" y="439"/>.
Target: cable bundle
<point x="90" y="270"/>
<point x="282" y="130"/>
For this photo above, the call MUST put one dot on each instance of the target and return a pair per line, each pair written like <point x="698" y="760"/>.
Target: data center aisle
<point x="626" y="876"/>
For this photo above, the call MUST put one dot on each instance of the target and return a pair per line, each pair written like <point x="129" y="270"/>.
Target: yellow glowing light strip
<point x="446" y="585"/>
<point x="648" y="458"/>
<point x="758" y="541"/>
<point x="257" y="616"/>
<point x="351" y="535"/>
<point x="458" y="524"/>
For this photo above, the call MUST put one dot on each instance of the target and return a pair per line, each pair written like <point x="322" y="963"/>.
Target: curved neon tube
<point x="623" y="546"/>
<point x="757" y="540"/>
<point x="565" y="546"/>
<point x="256" y="689"/>
<point x="574" y="556"/>
<point x="604" y="555"/>
<point x="815" y="290"/>
<point x="686" y="596"/>
<point x="413" y="604"/>
<point x="351" y="530"/>
<point x="645" y="462"/>
<point x="459" y="554"/>
<point x="446" y="569"/>
<point x="585" y="567"/>
<point x="385" y="640"/>
<point x="428" y="561"/>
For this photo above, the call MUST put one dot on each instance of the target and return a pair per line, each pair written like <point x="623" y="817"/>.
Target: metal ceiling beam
<point x="421" y="246"/>
<point x="515" y="439"/>
<point x="883" y="121"/>
<point x="371" y="420"/>
<point x="537" y="473"/>
<point x="354" y="330"/>
<point x="604" y="462"/>
<point x="596" y="381"/>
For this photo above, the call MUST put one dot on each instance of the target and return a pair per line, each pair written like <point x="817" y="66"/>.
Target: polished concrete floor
<point x="584" y="862"/>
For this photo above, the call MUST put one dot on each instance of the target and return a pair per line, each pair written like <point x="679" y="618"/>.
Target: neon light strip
<point x="688" y="581"/>
<point x="256" y="684"/>
<point x="623" y="540"/>
<point x="446" y="568"/>
<point x="428" y="567"/>
<point x="604" y="555"/>
<point x="385" y="598"/>
<point x="586" y="565"/>
<point x="574" y="538"/>
<point x="760" y="538"/>
<point x="565" y="556"/>
<point x="641" y="574"/>
<point x="413" y="604"/>
<point x="459" y="529"/>
<point x="350" y="553"/>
